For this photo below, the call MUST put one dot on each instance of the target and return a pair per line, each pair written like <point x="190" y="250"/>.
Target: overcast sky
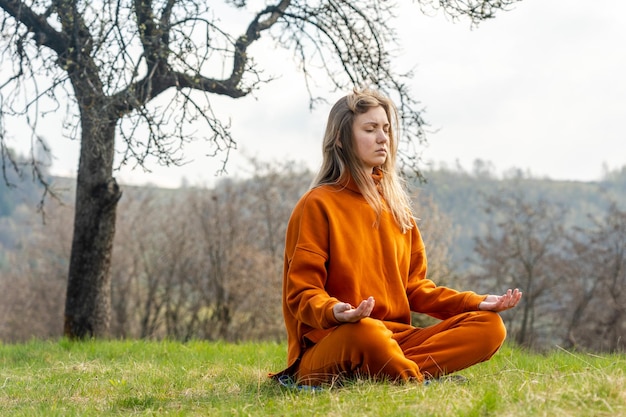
<point x="541" y="88"/>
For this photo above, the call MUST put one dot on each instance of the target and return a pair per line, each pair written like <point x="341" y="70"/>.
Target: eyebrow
<point x="376" y="123"/>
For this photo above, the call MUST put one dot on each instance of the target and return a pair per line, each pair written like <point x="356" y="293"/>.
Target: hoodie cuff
<point x="474" y="300"/>
<point x="329" y="315"/>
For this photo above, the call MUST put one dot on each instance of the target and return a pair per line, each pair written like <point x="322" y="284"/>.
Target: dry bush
<point x="204" y="263"/>
<point x="32" y="289"/>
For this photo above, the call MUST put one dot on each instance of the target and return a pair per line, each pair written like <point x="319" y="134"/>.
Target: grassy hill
<point x="110" y="378"/>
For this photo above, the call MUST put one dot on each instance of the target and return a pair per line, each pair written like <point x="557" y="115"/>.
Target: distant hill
<point x="462" y="197"/>
<point x="458" y="194"/>
<point x="16" y="192"/>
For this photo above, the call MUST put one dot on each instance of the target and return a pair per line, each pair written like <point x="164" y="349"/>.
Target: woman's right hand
<point x="345" y="313"/>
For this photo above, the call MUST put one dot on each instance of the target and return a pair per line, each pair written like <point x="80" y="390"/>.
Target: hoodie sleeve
<point x="306" y="252"/>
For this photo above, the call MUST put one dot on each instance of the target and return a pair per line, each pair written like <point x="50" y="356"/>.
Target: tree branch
<point x="160" y="77"/>
<point x="252" y="34"/>
<point x="36" y="24"/>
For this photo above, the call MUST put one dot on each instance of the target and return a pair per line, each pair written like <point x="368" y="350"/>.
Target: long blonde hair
<point x="339" y="161"/>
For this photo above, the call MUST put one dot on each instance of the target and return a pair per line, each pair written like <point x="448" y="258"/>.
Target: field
<point x="143" y="378"/>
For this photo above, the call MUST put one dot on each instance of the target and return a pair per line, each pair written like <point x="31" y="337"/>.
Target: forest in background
<point x="206" y="263"/>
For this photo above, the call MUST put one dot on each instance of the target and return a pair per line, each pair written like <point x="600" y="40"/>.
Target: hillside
<point x="207" y="263"/>
<point x="459" y="195"/>
<point x="463" y="197"/>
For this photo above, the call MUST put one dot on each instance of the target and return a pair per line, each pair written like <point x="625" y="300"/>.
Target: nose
<point x="383" y="136"/>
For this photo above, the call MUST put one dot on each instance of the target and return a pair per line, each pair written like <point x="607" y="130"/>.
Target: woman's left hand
<point x="499" y="303"/>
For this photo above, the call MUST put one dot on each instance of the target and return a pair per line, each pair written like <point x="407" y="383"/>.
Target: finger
<point x="513" y="300"/>
<point x="361" y="308"/>
<point x="365" y="307"/>
<point x="364" y="303"/>
<point x="343" y="307"/>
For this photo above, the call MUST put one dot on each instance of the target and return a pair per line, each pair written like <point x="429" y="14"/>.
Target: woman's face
<point x="370" y="132"/>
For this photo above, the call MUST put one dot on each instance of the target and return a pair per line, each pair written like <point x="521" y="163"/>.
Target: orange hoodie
<point x="334" y="253"/>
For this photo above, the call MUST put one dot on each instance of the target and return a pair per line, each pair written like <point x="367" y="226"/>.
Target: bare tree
<point x="274" y="190"/>
<point x="205" y="263"/>
<point x="154" y="273"/>
<point x="31" y="290"/>
<point x="613" y="258"/>
<point x="522" y="248"/>
<point x="231" y="272"/>
<point x="583" y="280"/>
<point x="271" y="195"/>
<point x="438" y="233"/>
<point x="597" y="283"/>
<point x="105" y="63"/>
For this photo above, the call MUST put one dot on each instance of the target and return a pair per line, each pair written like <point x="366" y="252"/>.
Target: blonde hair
<point x="339" y="161"/>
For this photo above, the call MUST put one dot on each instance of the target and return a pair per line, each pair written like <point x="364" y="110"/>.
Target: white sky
<point x="541" y="88"/>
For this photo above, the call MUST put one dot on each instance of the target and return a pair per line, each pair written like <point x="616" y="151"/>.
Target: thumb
<point x="347" y="306"/>
<point x="341" y="307"/>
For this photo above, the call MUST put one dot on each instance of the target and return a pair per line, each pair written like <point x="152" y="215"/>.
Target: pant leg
<point x="363" y="348"/>
<point x="455" y="343"/>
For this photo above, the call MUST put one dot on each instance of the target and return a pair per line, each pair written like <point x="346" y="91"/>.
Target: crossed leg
<point x="369" y="348"/>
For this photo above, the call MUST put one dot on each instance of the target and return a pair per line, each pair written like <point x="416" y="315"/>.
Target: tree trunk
<point x="88" y="302"/>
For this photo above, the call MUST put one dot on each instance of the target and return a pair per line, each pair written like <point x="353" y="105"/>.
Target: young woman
<point x="355" y="268"/>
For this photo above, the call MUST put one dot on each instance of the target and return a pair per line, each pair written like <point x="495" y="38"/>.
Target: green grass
<point x="140" y="378"/>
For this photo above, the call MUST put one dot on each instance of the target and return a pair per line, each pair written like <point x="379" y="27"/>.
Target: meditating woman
<point x="355" y="268"/>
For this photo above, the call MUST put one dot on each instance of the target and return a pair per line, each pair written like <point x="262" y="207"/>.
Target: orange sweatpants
<point x="369" y="348"/>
